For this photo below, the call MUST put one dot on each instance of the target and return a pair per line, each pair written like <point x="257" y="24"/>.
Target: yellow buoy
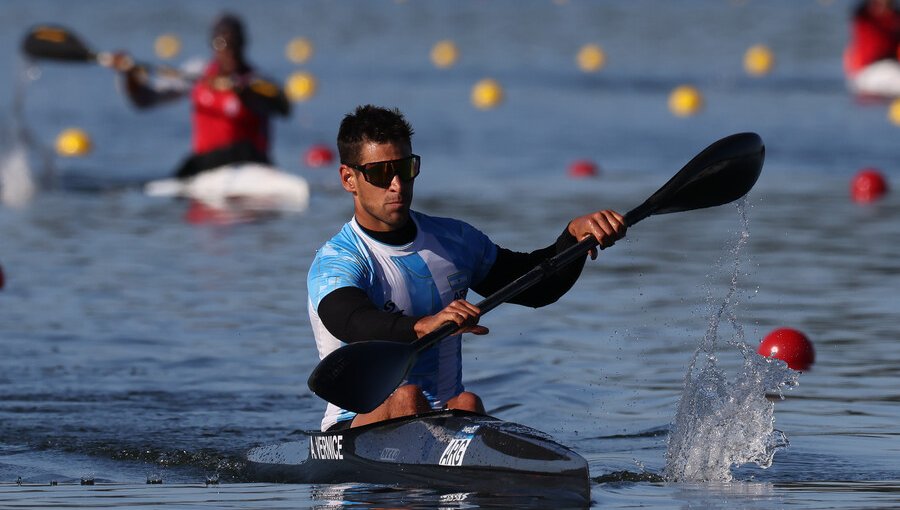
<point x="685" y="101"/>
<point x="299" y="50"/>
<point x="167" y="46"/>
<point x="444" y="54"/>
<point x="300" y="86"/>
<point x="894" y="112"/>
<point x="758" y="60"/>
<point x="73" y="142"/>
<point x="591" y="58"/>
<point x="487" y="93"/>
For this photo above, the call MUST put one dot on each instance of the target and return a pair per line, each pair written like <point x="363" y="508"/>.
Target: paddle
<point x="54" y="42"/>
<point x="360" y="376"/>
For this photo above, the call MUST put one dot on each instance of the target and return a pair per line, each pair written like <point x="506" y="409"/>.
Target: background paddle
<point x="360" y="376"/>
<point x="55" y="42"/>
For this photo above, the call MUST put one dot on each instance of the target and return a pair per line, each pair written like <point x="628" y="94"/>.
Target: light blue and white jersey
<point x="419" y="278"/>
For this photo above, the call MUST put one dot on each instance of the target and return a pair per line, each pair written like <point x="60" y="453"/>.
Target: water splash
<point x="17" y="183"/>
<point x="722" y="423"/>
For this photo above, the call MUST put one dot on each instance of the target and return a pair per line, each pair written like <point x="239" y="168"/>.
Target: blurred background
<point x="380" y="52"/>
<point x="136" y="342"/>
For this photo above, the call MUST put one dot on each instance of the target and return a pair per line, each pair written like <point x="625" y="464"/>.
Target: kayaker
<point x="393" y="273"/>
<point x="231" y="104"/>
<point x="870" y="59"/>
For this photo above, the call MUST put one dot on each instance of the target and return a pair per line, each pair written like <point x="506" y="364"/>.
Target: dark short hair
<point x="370" y="123"/>
<point x="229" y="25"/>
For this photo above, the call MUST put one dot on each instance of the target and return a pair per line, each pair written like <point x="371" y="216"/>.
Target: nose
<point x="396" y="183"/>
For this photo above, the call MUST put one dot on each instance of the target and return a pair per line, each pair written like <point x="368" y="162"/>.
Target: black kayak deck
<point x="446" y="450"/>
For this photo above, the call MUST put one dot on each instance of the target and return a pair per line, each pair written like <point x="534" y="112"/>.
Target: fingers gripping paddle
<point x="54" y="42"/>
<point x="360" y="376"/>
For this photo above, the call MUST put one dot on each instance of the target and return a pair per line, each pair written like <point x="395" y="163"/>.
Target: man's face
<point x="226" y="50"/>
<point x="379" y="209"/>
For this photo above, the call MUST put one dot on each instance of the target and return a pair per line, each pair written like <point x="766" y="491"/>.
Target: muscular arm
<point x="511" y="265"/>
<point x="606" y="226"/>
<point x="142" y="94"/>
<point x="264" y="97"/>
<point x="350" y="316"/>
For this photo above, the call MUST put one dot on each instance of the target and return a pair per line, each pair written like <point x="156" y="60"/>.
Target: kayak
<point x="245" y="185"/>
<point x="446" y="450"/>
<point x="878" y="81"/>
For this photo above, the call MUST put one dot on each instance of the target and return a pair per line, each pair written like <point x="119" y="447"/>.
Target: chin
<point x="399" y="220"/>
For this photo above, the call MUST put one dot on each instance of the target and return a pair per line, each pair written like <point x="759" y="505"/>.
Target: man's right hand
<point x="461" y="312"/>
<point x="119" y="61"/>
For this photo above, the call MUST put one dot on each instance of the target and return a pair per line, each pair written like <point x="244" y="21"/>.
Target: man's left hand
<point x="607" y="226"/>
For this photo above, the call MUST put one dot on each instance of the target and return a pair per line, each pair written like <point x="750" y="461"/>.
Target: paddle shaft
<point x="744" y="152"/>
<point x="51" y="42"/>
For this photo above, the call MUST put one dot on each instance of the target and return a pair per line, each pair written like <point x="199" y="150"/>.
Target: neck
<point x="403" y="235"/>
<point x="237" y="65"/>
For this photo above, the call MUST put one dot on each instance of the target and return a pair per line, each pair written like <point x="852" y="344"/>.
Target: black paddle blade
<point x="724" y="172"/>
<point x="359" y="376"/>
<point x="55" y="43"/>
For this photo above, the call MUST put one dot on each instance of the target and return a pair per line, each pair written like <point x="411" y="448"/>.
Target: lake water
<point x="137" y="346"/>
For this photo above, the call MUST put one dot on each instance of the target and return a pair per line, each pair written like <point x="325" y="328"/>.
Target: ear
<point x="348" y="178"/>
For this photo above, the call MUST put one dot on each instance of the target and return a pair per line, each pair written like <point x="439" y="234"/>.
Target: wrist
<point x="420" y="328"/>
<point x="570" y="231"/>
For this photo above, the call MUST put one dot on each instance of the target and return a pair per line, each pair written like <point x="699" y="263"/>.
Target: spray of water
<point x="722" y="423"/>
<point x="17" y="183"/>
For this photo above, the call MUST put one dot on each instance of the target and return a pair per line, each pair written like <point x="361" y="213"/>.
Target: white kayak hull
<point x="246" y="185"/>
<point x="878" y="80"/>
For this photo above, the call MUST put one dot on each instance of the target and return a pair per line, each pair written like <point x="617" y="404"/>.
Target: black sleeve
<point x="141" y="94"/>
<point x="264" y="97"/>
<point x="350" y="316"/>
<point x="511" y="265"/>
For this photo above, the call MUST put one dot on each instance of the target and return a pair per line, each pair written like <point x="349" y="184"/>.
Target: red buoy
<point x="789" y="345"/>
<point x="868" y="185"/>
<point x="583" y="168"/>
<point x="319" y="155"/>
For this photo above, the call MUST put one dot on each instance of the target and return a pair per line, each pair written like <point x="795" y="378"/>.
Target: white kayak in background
<point x="247" y="185"/>
<point x="878" y="80"/>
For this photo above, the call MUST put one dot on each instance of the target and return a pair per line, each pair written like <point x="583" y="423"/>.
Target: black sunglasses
<point x="381" y="173"/>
